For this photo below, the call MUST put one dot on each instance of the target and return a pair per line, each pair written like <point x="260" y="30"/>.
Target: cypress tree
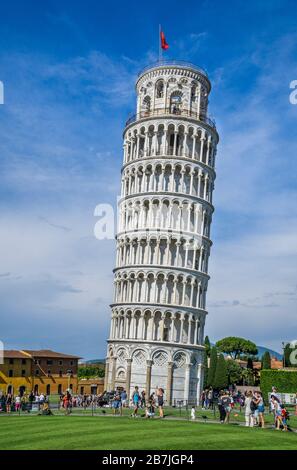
<point x="207" y="345"/>
<point x="249" y="364"/>
<point x="221" y="376"/>
<point x="212" y="366"/>
<point x="266" y="360"/>
<point x="205" y="379"/>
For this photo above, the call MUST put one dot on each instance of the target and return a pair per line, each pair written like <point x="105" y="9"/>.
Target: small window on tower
<point x="176" y="102"/>
<point x="147" y="103"/>
<point x="166" y="334"/>
<point x="160" y="89"/>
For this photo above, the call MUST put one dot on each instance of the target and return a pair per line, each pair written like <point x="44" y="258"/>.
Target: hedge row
<point x="284" y="380"/>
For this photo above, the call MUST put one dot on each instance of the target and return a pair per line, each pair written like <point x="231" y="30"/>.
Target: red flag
<point x="164" y="44"/>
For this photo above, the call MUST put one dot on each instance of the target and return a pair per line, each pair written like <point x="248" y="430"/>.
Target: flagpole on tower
<point x="160" y="48"/>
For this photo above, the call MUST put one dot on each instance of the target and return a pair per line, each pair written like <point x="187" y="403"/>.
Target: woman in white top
<point x="17" y="403"/>
<point x="248" y="412"/>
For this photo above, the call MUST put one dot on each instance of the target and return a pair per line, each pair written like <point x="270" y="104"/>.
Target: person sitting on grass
<point x="135" y="401"/>
<point x="150" y="410"/>
<point x="45" y="409"/>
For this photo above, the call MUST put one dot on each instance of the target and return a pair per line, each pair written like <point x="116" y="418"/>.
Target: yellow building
<point x="93" y="386"/>
<point x="41" y="371"/>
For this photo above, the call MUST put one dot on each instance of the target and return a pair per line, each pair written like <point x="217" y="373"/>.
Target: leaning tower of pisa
<point x="163" y="239"/>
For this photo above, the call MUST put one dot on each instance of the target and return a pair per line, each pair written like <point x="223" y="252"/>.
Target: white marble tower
<point x="163" y="240"/>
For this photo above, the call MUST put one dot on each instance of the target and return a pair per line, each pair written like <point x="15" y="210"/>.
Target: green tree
<point x="287" y="352"/>
<point x="236" y="346"/>
<point x="250" y="364"/>
<point x="205" y="379"/>
<point x="212" y="366"/>
<point x="207" y="345"/>
<point x="221" y="378"/>
<point x="87" y="372"/>
<point x="266" y="361"/>
<point x="234" y="372"/>
<point x="248" y="377"/>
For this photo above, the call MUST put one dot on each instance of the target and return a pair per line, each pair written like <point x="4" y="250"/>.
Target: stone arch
<point x="147" y="104"/>
<point x="176" y="101"/>
<point x="159" y="88"/>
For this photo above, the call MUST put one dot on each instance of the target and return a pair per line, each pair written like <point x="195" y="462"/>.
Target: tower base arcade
<point x="179" y="371"/>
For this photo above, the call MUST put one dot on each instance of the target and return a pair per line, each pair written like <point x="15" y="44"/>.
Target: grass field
<point x="75" y="432"/>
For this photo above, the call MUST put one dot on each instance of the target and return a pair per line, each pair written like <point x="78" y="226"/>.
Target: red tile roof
<point x="49" y="353"/>
<point x="14" y="354"/>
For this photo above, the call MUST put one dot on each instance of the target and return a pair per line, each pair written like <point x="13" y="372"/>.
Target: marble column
<point x="169" y="383"/>
<point x="128" y="377"/>
<point x="149" y="364"/>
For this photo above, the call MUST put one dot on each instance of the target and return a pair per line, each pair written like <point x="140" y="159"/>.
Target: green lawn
<point x="75" y="432"/>
<point x="236" y="415"/>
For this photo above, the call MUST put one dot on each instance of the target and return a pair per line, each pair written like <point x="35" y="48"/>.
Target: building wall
<point x="24" y="376"/>
<point x="90" y="386"/>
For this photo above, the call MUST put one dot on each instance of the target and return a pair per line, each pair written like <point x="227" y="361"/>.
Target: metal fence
<point x="177" y="409"/>
<point x="171" y="112"/>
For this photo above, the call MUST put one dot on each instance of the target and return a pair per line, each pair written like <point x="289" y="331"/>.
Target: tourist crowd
<point x="226" y="401"/>
<point x="251" y="402"/>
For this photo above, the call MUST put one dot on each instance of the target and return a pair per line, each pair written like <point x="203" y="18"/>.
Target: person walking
<point x="248" y="412"/>
<point x="260" y="409"/>
<point x="67" y="403"/>
<point x="203" y="399"/>
<point x="160" y="398"/>
<point x="221" y="407"/>
<point x="277" y="411"/>
<point x="226" y="402"/>
<point x="142" y="399"/>
<point x="8" y="403"/>
<point x="117" y="404"/>
<point x="273" y="400"/>
<point x="210" y="398"/>
<point x="135" y="401"/>
<point x="284" y="417"/>
<point x="124" y="398"/>
<point x="254" y="408"/>
<point x="17" y="403"/>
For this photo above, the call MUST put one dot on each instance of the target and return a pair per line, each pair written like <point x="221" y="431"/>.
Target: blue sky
<point x="68" y="70"/>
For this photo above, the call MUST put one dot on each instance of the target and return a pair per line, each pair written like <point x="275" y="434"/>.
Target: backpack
<point x="253" y="406"/>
